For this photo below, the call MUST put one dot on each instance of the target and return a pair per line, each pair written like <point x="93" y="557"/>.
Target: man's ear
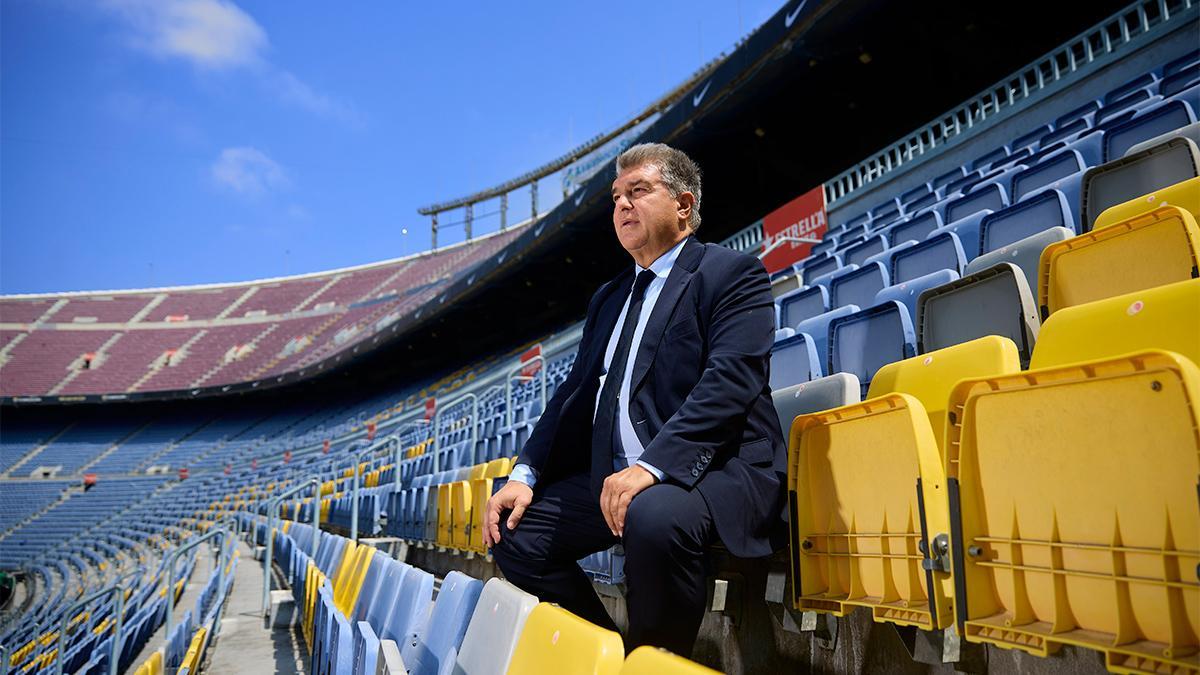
<point x="686" y="201"/>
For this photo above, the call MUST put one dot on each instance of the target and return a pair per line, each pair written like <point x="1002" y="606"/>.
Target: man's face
<point x="645" y="215"/>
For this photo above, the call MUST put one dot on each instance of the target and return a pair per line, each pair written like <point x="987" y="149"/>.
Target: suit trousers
<point x="667" y="530"/>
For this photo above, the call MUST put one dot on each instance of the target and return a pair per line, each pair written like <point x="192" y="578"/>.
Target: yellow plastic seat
<point x="481" y="492"/>
<point x="1077" y="487"/>
<point x="353" y="583"/>
<point x="648" y="660"/>
<point x="1153" y="249"/>
<point x="191" y="660"/>
<point x="460" y="514"/>
<point x="445" y="519"/>
<point x="867" y="492"/>
<point x="1184" y="194"/>
<point x="556" y="641"/>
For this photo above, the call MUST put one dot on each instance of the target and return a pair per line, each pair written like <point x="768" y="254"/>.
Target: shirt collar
<point x="662" y="266"/>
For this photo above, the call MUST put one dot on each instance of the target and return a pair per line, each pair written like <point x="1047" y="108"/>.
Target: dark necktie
<point x="605" y="439"/>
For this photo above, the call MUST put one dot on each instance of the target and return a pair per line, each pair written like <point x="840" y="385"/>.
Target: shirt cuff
<point x="523" y="473"/>
<point x="653" y="471"/>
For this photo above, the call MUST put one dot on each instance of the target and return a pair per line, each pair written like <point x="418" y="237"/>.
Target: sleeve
<point x="654" y="471"/>
<point x="741" y="332"/>
<point x="523" y="473"/>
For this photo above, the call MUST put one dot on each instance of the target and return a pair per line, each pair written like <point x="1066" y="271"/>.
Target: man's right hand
<point x="514" y="495"/>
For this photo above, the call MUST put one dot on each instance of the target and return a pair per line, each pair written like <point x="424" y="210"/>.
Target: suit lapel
<point x="664" y="307"/>
<point x="606" y="320"/>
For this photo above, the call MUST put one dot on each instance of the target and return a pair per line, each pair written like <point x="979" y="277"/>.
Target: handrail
<point x="780" y="241"/>
<point x="115" y="653"/>
<point x="174" y="555"/>
<point x="394" y="441"/>
<point x="515" y="370"/>
<point x="272" y="514"/>
<point x="437" y="426"/>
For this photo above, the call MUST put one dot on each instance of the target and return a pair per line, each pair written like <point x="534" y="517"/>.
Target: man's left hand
<point x="619" y="489"/>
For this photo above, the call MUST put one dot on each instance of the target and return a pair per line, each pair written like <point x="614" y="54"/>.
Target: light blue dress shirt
<point x="661" y="268"/>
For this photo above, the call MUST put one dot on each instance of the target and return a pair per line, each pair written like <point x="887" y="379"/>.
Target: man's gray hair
<point x="679" y="173"/>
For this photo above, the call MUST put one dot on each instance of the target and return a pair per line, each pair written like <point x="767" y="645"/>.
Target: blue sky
<point x="163" y="142"/>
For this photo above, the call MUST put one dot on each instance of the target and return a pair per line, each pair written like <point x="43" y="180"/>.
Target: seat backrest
<point x="1051" y="169"/>
<point x="1040" y="212"/>
<point x="858" y="253"/>
<point x="939" y="252"/>
<point x="438" y="641"/>
<point x="376" y="571"/>
<point x="993" y="301"/>
<point x="821" y="266"/>
<point x="1120" y="180"/>
<point x="857" y="286"/>
<point x="823" y="393"/>
<point x="794" y="360"/>
<point x="1163" y="317"/>
<point x="494" y="628"/>
<point x="411" y="609"/>
<point x="931" y="377"/>
<point x="1185" y="195"/>
<point x="1025" y="253"/>
<point x="993" y="197"/>
<point x="802" y="304"/>
<point x="1153" y="249"/>
<point x="1162" y="118"/>
<point x="817" y="328"/>
<point x="556" y="641"/>
<point x="647" y="660"/>
<point x="863" y="342"/>
<point x="1191" y="131"/>
<point x="907" y="292"/>
<point x="915" y="228"/>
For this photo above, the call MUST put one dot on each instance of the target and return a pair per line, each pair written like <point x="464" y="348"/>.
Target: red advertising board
<point x="532" y="367"/>
<point x="183" y="473"/>
<point x="325" y="449"/>
<point x="370" y="431"/>
<point x="430" y="408"/>
<point x="804" y="216"/>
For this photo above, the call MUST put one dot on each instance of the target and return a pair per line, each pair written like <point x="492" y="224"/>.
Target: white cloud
<point x="248" y="170"/>
<point x="208" y="33"/>
<point x="295" y="91"/>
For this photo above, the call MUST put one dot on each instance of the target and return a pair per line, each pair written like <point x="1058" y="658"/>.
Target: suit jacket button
<point x="695" y="472"/>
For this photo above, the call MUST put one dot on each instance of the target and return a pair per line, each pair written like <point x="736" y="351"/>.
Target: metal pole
<point x="173" y="556"/>
<point x="354" y="497"/>
<point x="115" y="653"/>
<point x="437" y="426"/>
<point x="508" y="407"/>
<point x="272" y="513"/>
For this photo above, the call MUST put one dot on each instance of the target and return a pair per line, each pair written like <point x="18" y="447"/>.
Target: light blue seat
<point x="908" y="292"/>
<point x="1083" y="112"/>
<point x="863" y="342"/>
<point x="1047" y="172"/>
<point x="794" y="360"/>
<point x="1024" y="253"/>
<point x="914" y="194"/>
<point x="858" y="254"/>
<point x="885" y="211"/>
<point x="857" y="286"/>
<point x="967" y="230"/>
<point x="1125" y="106"/>
<point x="820" y="267"/>
<point x="1179" y="81"/>
<point x="944" y="179"/>
<point x="818" y="329"/>
<point x="1030" y="138"/>
<point x="435" y="646"/>
<point x="1146" y="82"/>
<point x="1147" y="124"/>
<point x="341" y="643"/>
<point x="941" y="251"/>
<point x="366" y="649"/>
<point x="992" y="196"/>
<point x="783" y="333"/>
<point x="1046" y="209"/>
<point x="380" y="607"/>
<point x="824" y="279"/>
<point x="987" y="159"/>
<point x="915" y="229"/>
<point x="799" y="305"/>
<point x="922" y="203"/>
<point x="411" y="608"/>
<point x="372" y="585"/>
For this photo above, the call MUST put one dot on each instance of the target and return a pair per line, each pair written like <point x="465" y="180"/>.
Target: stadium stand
<point x="950" y="351"/>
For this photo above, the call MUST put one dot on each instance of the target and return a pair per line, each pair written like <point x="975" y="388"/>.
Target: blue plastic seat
<point x="1030" y="138"/>
<point x="987" y="159"/>
<point x="942" y="180"/>
<point x="366" y="648"/>
<point x="818" y="329"/>
<point x="1145" y="125"/>
<point x="799" y="305"/>
<point x="411" y="608"/>
<point x="435" y="645"/>
<point x="857" y="254"/>
<point x="908" y="292"/>
<point x="794" y="360"/>
<point x="857" y="286"/>
<point x="1041" y="211"/>
<point x="824" y="279"/>
<point x="967" y="230"/>
<point x="1174" y="66"/>
<point x="941" y="251"/>
<point x="910" y="196"/>
<point x="1047" y="172"/>
<point x="1130" y="103"/>
<point x="992" y="196"/>
<point x="1179" y="81"/>
<point x="865" y="341"/>
<point x="820" y="267"/>
<point x="921" y="203"/>
<point x="915" y="228"/>
<point x="1145" y="81"/>
<point x="885" y="211"/>
<point x="1083" y="112"/>
<point x="1066" y="132"/>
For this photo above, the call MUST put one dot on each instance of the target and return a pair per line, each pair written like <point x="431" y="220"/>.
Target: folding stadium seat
<point x="823" y="393"/>
<point x="863" y="342"/>
<point x="1067" y="131"/>
<point x="1024" y="253"/>
<point x="1120" y="180"/>
<point x="1185" y="195"/>
<point x="794" y="360"/>
<point x="957" y="187"/>
<point x="783" y="333"/>
<point x="814" y="268"/>
<point x="1189" y="59"/>
<point x="1064" y="165"/>
<point x="785" y="284"/>
<point x="885" y="211"/>
<point x="857" y="254"/>
<point x="987" y="159"/>
<point x="1030" y="138"/>
<point x="1191" y="131"/>
<point x="818" y="329"/>
<point x="1106" y="558"/>
<point x="1154" y="249"/>
<point x="992" y="196"/>
<point x="867" y="495"/>
<point x="494" y="628"/>
<point x="1180" y="81"/>
<point x="481" y="491"/>
<point x="907" y="292"/>
<point x="910" y="196"/>
<point x="410" y="609"/>
<point x="942" y="180"/>
<point x="941" y="251"/>
<point x="1147" y="124"/>
<point x="803" y="304"/>
<point x="647" y="660"/>
<point x="857" y="286"/>
<point x="993" y="301"/>
<point x="556" y="641"/>
<point x="1125" y="107"/>
<point x="435" y="645"/>
<point x="1040" y="212"/>
<point x="371" y="585"/>
<point x="823" y="248"/>
<point x="824" y="279"/>
<point x="921" y="203"/>
<point x="915" y="228"/>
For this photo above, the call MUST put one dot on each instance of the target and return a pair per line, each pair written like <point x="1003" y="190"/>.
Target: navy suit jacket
<point x="700" y="401"/>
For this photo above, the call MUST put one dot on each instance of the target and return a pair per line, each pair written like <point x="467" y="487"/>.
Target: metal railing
<point x="515" y="373"/>
<point x="170" y="569"/>
<point x="437" y="427"/>
<point x="272" y="515"/>
<point x="392" y="440"/>
<point x="118" y="619"/>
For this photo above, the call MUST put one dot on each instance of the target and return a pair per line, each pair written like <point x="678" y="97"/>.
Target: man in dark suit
<point x="663" y="437"/>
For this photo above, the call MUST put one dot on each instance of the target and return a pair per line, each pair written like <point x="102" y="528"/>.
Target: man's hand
<point x="619" y="489"/>
<point x="514" y="495"/>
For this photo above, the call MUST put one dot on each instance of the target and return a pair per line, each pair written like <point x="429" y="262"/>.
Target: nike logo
<point x="700" y="97"/>
<point x="791" y="16"/>
<point x="578" y="197"/>
<point x="538" y="231"/>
